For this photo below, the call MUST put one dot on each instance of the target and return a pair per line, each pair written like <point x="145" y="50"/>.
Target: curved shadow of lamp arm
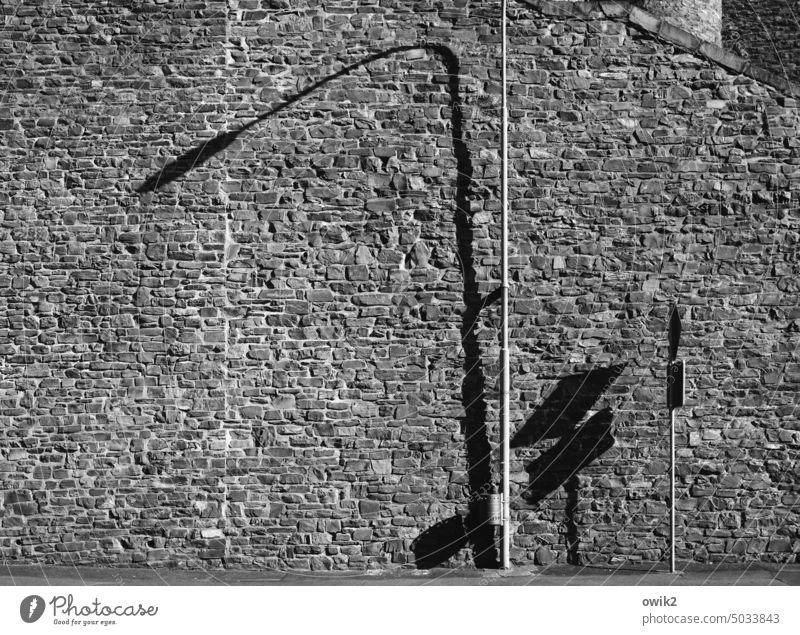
<point x="200" y="154"/>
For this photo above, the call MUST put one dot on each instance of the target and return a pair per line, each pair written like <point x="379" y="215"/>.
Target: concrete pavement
<point x="760" y="574"/>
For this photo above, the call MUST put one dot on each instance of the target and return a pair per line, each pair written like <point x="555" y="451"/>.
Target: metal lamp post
<point x="506" y="375"/>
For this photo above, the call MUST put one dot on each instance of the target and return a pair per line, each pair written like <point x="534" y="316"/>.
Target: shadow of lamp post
<point x="675" y="394"/>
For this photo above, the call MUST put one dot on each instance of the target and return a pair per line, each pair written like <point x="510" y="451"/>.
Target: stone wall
<point x="767" y="32"/>
<point x="250" y="253"/>
<point x="702" y="18"/>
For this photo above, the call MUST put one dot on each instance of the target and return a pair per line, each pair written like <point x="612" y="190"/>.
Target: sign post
<point x="675" y="393"/>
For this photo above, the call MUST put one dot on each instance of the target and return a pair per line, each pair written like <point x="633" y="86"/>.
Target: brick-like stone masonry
<point x="282" y="350"/>
<point x="765" y="31"/>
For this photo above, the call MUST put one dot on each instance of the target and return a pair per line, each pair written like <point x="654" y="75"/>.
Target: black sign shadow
<point x="560" y="416"/>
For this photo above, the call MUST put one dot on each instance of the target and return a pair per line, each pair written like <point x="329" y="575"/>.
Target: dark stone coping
<point x="664" y="30"/>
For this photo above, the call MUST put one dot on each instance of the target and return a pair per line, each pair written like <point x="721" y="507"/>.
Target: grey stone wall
<point x="249" y="251"/>
<point x="702" y="18"/>
<point x="767" y="32"/>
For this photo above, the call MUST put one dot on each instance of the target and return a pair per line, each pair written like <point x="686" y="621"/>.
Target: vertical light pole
<point x="675" y="392"/>
<point x="506" y="375"/>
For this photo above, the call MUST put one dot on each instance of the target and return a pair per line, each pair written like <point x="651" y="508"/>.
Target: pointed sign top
<point x="674" y="333"/>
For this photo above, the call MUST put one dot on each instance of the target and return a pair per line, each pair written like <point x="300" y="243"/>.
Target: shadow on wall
<point x="459" y="531"/>
<point x="566" y="405"/>
<point x="559" y="416"/>
<point x="578" y="444"/>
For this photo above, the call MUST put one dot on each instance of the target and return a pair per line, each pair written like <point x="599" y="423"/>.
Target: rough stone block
<point x="722" y="57"/>
<point x="644" y="20"/>
<point x="678" y="36"/>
